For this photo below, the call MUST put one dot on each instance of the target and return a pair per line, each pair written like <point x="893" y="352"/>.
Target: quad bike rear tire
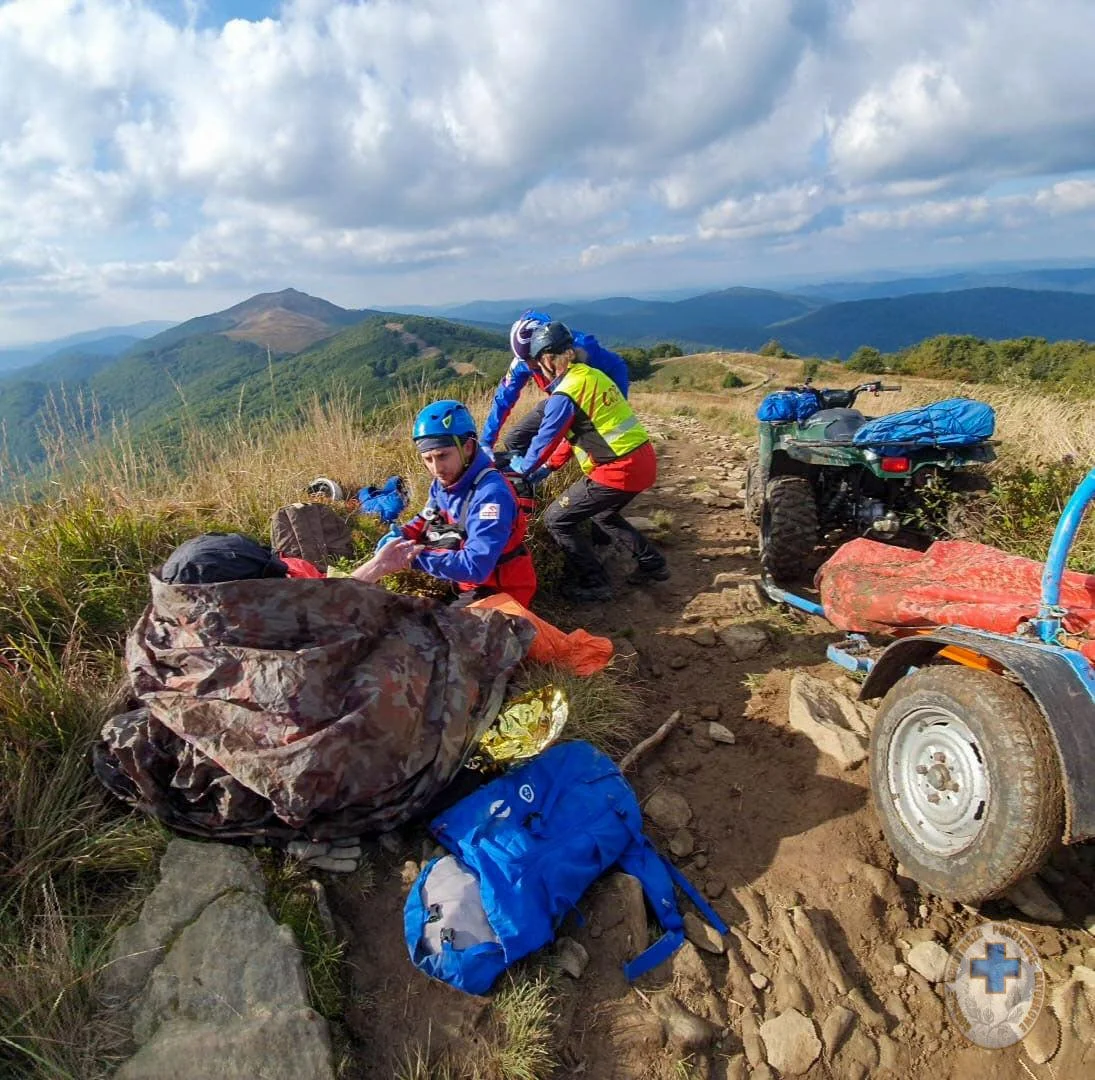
<point x="788" y="527"/>
<point x="754" y="491"/>
<point x="965" y="778"/>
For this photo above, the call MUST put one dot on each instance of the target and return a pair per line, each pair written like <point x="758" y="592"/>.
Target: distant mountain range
<point x="1080" y="279"/>
<point x="275" y="349"/>
<point x="747" y="318"/>
<point x="106" y="341"/>
<point x="265" y="355"/>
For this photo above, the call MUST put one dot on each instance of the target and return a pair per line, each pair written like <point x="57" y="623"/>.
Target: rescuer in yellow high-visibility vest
<point x="586" y="413"/>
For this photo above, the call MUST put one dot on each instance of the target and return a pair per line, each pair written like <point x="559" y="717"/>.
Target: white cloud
<point x="415" y="151"/>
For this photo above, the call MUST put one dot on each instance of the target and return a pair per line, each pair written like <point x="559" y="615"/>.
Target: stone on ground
<point x="192" y="876"/>
<point x="668" y="810"/>
<point x="744" y="641"/>
<point x="814" y="710"/>
<point x="227" y="993"/>
<point x="702" y="935"/>
<point x="929" y="959"/>
<point x="1031" y="898"/>
<point x="791" y="1044"/>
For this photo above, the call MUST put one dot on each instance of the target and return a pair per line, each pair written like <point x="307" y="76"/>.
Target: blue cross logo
<point x="995" y="968"/>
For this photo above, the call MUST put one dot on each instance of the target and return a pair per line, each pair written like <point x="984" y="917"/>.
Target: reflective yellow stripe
<point x="620" y="429"/>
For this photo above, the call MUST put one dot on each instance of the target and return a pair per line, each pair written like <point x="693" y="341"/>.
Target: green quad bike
<point x="810" y="479"/>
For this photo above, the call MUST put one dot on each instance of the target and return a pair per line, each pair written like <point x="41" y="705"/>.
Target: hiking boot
<point x="588" y="594"/>
<point x="644" y="575"/>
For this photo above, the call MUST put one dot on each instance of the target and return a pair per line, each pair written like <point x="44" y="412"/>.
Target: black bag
<point x="217" y="557"/>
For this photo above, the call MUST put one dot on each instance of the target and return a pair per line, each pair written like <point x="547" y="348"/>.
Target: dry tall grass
<point x="1031" y="425"/>
<point x="73" y="565"/>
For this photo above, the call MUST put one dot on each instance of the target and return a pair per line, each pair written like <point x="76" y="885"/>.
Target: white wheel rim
<point x="938" y="780"/>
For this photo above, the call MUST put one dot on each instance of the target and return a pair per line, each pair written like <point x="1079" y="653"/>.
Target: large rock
<point x="669" y="810"/>
<point x="192" y="876"/>
<point x="791" y="1044"/>
<point x="227" y="995"/>
<point x="743" y="641"/>
<point x="287" y="1045"/>
<point x="232" y="961"/>
<point x="815" y="711"/>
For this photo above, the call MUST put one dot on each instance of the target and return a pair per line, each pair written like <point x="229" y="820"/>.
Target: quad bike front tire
<point x="965" y="778"/>
<point x="788" y="527"/>
<point x="754" y="491"/>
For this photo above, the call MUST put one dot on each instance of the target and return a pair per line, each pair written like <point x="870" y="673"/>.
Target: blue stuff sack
<point x="525" y="848"/>
<point x="787" y="405"/>
<point x="387" y="502"/>
<point x="954" y="422"/>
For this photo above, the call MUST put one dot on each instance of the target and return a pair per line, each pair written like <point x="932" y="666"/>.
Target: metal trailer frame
<point x="1059" y="678"/>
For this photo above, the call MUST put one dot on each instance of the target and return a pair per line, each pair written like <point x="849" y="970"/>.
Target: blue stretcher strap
<point x="693" y="894"/>
<point x="658" y="953"/>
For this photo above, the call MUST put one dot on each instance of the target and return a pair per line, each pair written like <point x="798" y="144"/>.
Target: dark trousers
<point x="524" y="431"/>
<point x="520" y="439"/>
<point x="586" y="500"/>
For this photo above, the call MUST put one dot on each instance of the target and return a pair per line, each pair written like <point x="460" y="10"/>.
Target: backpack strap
<point x="658" y="876"/>
<point x="463" y="520"/>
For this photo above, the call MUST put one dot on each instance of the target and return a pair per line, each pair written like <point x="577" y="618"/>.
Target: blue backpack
<point x="786" y="405"/>
<point x="525" y="848"/>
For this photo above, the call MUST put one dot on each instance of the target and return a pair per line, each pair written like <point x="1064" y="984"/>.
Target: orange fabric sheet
<point x="579" y="651"/>
<point x="871" y="587"/>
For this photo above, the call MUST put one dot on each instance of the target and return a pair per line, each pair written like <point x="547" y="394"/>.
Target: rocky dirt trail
<point x="831" y="968"/>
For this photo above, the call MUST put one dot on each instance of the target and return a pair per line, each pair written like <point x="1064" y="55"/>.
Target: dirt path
<point x="781" y="838"/>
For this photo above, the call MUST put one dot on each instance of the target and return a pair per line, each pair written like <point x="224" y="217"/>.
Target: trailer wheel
<point x="964" y="776"/>
<point x="788" y="527"/>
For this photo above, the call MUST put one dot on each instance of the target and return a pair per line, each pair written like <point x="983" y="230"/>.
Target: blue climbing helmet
<point x="441" y="424"/>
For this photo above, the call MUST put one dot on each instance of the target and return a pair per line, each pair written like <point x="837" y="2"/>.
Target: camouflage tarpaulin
<point x="328" y="707"/>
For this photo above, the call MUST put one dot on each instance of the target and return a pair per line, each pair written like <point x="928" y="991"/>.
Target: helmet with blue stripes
<point x="443" y="423"/>
<point x="520" y="333"/>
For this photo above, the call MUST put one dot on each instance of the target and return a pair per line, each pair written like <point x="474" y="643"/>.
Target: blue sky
<point x="166" y="158"/>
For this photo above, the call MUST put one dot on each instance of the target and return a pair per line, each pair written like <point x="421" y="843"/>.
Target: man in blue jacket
<point x="520" y="372"/>
<point x="472" y="529"/>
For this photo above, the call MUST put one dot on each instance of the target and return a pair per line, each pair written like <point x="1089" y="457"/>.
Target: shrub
<point x="774" y="348"/>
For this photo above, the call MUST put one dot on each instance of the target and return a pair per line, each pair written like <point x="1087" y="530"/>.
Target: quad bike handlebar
<point x="844" y="399"/>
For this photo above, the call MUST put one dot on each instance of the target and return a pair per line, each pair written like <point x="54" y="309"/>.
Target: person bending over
<point x="586" y="413"/>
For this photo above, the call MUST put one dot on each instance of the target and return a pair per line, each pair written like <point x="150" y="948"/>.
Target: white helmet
<point x="330" y="489"/>
<point x="520" y="333"/>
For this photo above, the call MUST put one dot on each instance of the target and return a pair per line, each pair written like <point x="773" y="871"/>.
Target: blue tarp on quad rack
<point x="954" y="422"/>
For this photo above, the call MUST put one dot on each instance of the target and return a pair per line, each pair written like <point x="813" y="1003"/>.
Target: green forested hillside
<point x="1066" y="365"/>
<point x="170" y="381"/>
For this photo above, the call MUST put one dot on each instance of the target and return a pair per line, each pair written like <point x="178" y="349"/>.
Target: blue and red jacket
<point x="482" y="512"/>
<point x="519" y="373"/>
